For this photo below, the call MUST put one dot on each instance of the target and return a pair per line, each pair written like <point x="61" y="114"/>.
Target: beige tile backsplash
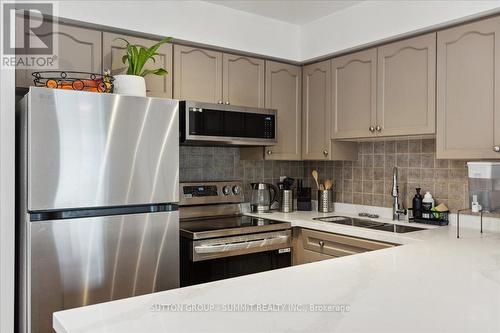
<point x="369" y="179"/>
<point x="365" y="181"/>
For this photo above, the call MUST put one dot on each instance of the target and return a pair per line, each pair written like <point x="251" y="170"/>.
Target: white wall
<point x="7" y="148"/>
<point x="198" y="21"/>
<point x="195" y="21"/>
<point x="372" y="21"/>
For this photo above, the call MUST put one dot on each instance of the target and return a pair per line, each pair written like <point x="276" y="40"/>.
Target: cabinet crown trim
<point x="485" y="34"/>
<point x="200" y="51"/>
<point x="353" y="61"/>
<point x="249" y="60"/>
<point x="391" y="55"/>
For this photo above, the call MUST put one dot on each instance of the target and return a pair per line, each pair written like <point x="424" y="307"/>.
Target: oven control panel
<point x="200" y="191"/>
<point x="210" y="193"/>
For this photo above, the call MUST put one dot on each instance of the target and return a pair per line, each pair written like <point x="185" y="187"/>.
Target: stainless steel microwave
<point x="222" y="124"/>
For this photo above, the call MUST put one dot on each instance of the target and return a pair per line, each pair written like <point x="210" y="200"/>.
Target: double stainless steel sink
<point x="369" y="224"/>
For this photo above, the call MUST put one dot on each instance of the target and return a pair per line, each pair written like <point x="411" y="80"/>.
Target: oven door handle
<point x="241" y="245"/>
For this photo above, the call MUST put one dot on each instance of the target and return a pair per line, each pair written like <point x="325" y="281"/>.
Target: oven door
<point x="221" y="258"/>
<point x="227" y="124"/>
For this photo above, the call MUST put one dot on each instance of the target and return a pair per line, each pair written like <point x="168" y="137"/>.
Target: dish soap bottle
<point x="427" y="205"/>
<point x="417" y="204"/>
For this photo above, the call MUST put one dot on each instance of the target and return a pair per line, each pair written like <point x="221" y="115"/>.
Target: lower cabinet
<point x="312" y="245"/>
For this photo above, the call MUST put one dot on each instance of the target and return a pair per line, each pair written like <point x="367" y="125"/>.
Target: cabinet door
<point x="284" y="93"/>
<point x="114" y="50"/>
<point x="354" y="79"/>
<point x="316" y="143"/>
<point x="312" y="245"/>
<point x="468" y="90"/>
<point x="79" y="49"/>
<point x="338" y="245"/>
<point x="406" y="87"/>
<point x="243" y="80"/>
<point x="197" y="74"/>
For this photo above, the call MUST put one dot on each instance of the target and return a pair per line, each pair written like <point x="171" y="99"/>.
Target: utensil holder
<point x="325" y="201"/>
<point x="286" y="205"/>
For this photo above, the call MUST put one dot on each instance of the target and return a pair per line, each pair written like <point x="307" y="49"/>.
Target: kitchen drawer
<point x="338" y="245"/>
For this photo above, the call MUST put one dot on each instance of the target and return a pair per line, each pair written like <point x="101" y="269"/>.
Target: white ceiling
<point x="295" y="11"/>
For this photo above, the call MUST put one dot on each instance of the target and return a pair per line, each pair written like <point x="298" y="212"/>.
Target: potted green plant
<point x="133" y="83"/>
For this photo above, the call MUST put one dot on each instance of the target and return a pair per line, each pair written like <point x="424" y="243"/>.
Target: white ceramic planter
<point x="129" y="85"/>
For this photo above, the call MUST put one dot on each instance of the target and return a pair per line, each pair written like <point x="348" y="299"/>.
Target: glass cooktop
<point x="229" y="226"/>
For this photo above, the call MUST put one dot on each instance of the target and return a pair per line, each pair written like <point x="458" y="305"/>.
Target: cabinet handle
<point x="496" y="149"/>
<point x="371" y="129"/>
<point x="321" y="243"/>
<point x="325" y="152"/>
<point x="269" y="152"/>
<point x="378" y="128"/>
<point x="220" y="102"/>
<point x="227" y="103"/>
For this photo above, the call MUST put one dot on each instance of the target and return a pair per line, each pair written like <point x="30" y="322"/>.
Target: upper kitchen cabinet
<point x="243" y="80"/>
<point x="353" y="89"/>
<point x="114" y="50"/>
<point x="215" y="77"/>
<point x="468" y="91"/>
<point x="284" y="93"/>
<point x="197" y="74"/>
<point x="385" y="91"/>
<point x="316" y="111"/>
<point x="406" y="87"/>
<point x="79" y="49"/>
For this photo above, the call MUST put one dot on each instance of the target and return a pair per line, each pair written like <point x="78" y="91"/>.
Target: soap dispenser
<point x="417" y="204"/>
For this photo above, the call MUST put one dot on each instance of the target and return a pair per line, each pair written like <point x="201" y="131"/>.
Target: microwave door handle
<point x="217" y="248"/>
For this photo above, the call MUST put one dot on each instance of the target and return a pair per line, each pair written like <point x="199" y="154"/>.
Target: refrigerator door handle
<point x="103" y="211"/>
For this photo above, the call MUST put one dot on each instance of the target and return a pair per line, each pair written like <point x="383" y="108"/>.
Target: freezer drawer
<point x="97" y="150"/>
<point x="77" y="262"/>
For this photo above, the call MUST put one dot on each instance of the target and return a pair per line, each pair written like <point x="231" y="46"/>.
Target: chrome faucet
<point x="396" y="210"/>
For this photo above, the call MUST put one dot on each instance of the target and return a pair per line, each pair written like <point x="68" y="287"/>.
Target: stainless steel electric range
<point x="217" y="241"/>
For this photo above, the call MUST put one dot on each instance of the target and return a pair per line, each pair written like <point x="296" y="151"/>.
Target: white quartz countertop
<point x="433" y="283"/>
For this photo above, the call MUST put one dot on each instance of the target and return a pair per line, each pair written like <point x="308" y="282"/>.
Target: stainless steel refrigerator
<point x="97" y="200"/>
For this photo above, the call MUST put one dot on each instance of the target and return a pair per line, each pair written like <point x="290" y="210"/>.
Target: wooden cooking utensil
<point x="315" y="176"/>
<point x="328" y="184"/>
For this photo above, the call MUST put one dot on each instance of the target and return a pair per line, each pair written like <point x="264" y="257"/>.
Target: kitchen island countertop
<point x="433" y="283"/>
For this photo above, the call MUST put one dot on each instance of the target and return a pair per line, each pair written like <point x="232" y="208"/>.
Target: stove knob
<point x="236" y="190"/>
<point x="226" y="190"/>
